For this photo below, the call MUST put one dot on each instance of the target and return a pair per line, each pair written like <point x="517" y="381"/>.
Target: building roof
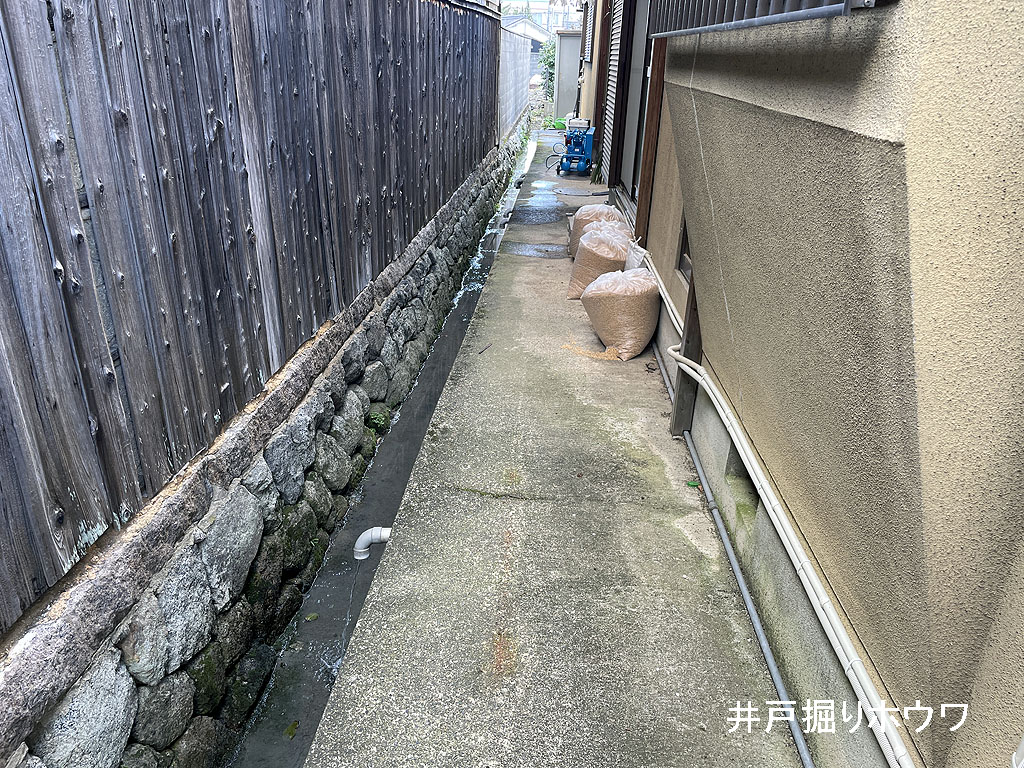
<point x="524" y="25"/>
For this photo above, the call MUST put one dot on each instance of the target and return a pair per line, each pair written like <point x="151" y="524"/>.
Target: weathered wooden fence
<point x="188" y="190"/>
<point x="513" y="79"/>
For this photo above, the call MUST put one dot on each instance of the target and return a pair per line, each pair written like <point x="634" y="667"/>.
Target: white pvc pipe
<point x="884" y="729"/>
<point x="367" y="539"/>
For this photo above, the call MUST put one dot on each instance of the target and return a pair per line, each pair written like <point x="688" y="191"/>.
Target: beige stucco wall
<point x="965" y="177"/>
<point x="853" y="196"/>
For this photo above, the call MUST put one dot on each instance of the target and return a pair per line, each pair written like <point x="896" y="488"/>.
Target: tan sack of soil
<point x="599" y="252"/>
<point x="623" y="308"/>
<point x="618" y="227"/>
<point x="588" y="214"/>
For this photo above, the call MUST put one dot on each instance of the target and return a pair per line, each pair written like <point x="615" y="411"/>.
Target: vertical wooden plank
<point x="45" y="124"/>
<point x="686" y="388"/>
<point x="54" y="493"/>
<point x="245" y="58"/>
<point x="102" y="114"/>
<point x="652" y="124"/>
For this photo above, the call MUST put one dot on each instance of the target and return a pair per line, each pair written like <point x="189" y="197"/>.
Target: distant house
<point x="524" y="25"/>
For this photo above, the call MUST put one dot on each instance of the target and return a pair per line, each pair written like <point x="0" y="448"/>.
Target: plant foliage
<point x="547" y="67"/>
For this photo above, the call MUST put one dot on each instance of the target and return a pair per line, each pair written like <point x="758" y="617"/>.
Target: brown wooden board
<point x="652" y="123"/>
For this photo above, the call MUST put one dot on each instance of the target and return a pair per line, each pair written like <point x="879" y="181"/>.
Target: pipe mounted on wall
<point x="882" y="726"/>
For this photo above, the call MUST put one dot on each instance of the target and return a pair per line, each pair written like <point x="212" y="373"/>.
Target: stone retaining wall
<point x="155" y="649"/>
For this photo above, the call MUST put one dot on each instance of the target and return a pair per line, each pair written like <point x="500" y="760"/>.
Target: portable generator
<point x="579" y="147"/>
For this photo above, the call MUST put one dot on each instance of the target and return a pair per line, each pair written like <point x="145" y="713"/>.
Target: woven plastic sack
<point x="588" y="214"/>
<point x="599" y="252"/>
<point x="635" y="257"/>
<point x="623" y="308"/>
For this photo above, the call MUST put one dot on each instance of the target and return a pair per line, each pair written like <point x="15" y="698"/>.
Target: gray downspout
<point x="762" y="640"/>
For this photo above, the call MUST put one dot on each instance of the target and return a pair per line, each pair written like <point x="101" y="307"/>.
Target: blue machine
<point x="579" y="151"/>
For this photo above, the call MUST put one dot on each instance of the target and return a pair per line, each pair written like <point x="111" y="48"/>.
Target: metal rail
<point x="673" y="18"/>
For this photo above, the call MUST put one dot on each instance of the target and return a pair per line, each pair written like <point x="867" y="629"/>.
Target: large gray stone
<point x="141" y="756"/>
<point x="169" y="626"/>
<point x="22" y="759"/>
<point x="164" y="711"/>
<point x="145" y="643"/>
<point x="257" y="477"/>
<point x="246" y="683"/>
<point x="375" y="381"/>
<point x="334" y="378"/>
<point x="260" y="482"/>
<point x="234" y="630"/>
<point x="233" y="530"/>
<point x="402" y="325"/>
<point x="358" y="470"/>
<point x="353" y="356"/>
<point x="319" y="404"/>
<point x="376" y="333"/>
<point x="298" y="526"/>
<point x="333" y="465"/>
<point x="265" y="578"/>
<point x="380" y="416"/>
<point x="401" y="384"/>
<point x="185" y="600"/>
<point x="390" y="354"/>
<point x="208" y="673"/>
<point x="416" y="352"/>
<point x="89" y="727"/>
<point x="316" y="492"/>
<point x="206" y="744"/>
<point x="287" y="604"/>
<point x="289" y="451"/>
<point x="364" y="399"/>
<point x="347" y="428"/>
<point x="338" y="511"/>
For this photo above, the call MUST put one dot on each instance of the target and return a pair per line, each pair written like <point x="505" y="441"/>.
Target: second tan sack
<point x="599" y="252"/>
<point x="588" y="214"/>
<point x="617" y="227"/>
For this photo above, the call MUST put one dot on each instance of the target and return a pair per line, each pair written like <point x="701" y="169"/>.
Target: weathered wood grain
<point x="188" y="192"/>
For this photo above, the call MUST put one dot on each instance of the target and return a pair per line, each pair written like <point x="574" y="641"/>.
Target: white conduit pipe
<point x="884" y="729"/>
<point x="369" y="537"/>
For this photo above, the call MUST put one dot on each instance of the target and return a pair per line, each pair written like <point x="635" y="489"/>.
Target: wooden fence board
<point x="54" y="491"/>
<point x="188" y="192"/>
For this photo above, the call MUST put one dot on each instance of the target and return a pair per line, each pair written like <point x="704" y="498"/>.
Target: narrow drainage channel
<point x="281" y="729"/>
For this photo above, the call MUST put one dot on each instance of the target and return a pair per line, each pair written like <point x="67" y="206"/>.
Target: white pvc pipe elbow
<point x="367" y="539"/>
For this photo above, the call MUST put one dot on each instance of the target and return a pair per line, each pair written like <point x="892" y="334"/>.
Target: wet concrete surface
<point x="537" y="251"/>
<point x="554" y="593"/>
<point x="312" y="648"/>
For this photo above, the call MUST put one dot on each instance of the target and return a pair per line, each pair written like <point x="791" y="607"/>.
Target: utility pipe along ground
<point x="889" y="739"/>
<point x="755" y="619"/>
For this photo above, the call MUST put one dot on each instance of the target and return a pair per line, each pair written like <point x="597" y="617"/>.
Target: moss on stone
<point x="207" y="672"/>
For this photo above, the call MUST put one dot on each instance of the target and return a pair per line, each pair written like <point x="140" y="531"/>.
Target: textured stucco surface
<point x="798" y="640"/>
<point x="853" y="195"/>
<point x="801" y="272"/>
<point x="965" y="176"/>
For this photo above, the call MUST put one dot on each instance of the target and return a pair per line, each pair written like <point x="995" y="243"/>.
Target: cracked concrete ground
<point x="554" y="594"/>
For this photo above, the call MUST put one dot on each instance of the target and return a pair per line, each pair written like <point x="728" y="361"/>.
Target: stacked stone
<point x="180" y="676"/>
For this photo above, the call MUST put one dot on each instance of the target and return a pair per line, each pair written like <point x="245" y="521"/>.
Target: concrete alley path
<point x="553" y="594"/>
